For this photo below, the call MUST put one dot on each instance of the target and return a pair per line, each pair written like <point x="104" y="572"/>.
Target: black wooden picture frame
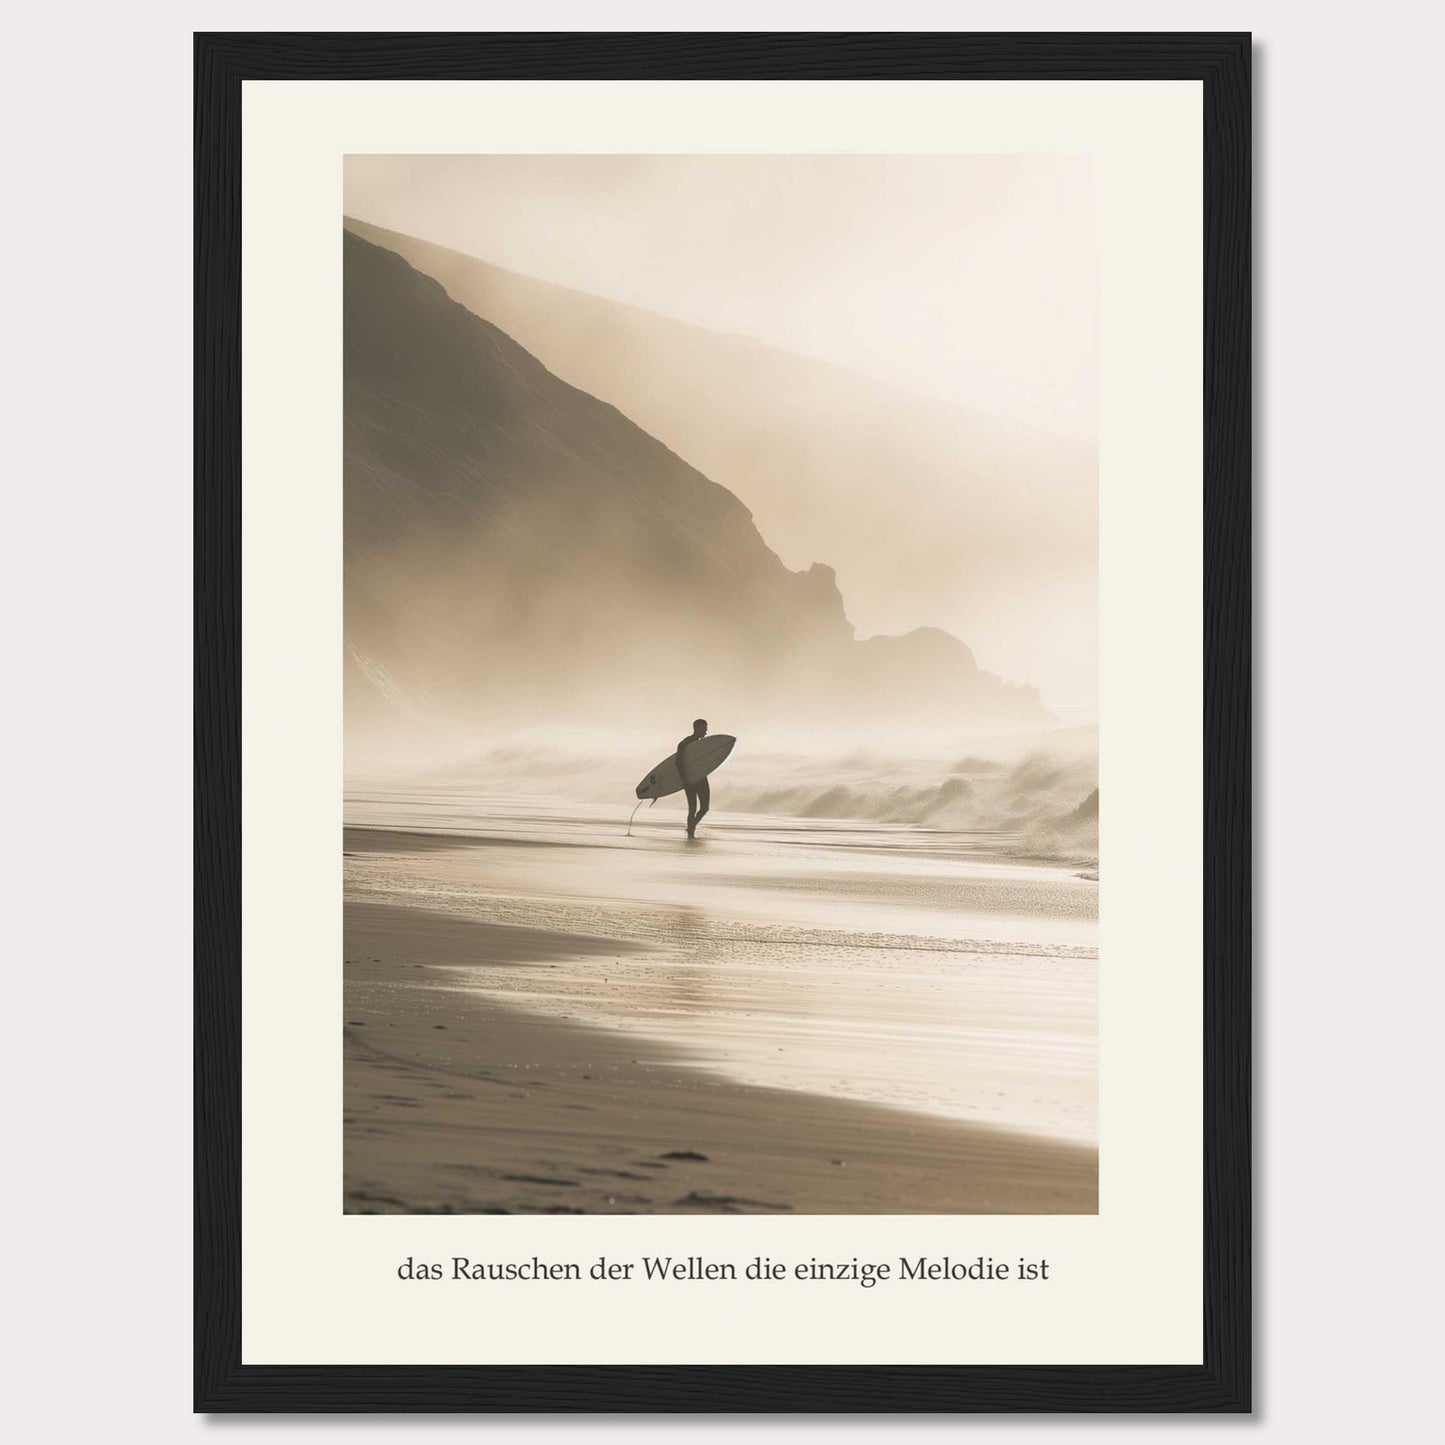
<point x="1222" y="62"/>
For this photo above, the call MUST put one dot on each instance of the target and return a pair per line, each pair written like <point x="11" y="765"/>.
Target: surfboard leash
<point x="640" y="802"/>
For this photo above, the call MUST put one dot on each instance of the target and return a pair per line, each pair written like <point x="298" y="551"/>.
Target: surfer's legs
<point x="698" y="797"/>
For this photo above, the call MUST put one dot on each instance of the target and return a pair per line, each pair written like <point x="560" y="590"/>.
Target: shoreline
<point x="456" y="1102"/>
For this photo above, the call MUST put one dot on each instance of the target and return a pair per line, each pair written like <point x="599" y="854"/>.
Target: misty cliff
<point x="989" y="529"/>
<point x="515" y="547"/>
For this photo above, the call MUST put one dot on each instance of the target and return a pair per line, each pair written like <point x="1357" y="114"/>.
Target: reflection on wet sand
<point x="873" y="986"/>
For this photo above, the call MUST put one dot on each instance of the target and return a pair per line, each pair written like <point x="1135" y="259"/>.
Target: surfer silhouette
<point x="685" y="770"/>
<point x="698" y="793"/>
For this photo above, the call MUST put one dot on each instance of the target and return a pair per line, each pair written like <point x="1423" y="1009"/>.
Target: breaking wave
<point x="1038" y="803"/>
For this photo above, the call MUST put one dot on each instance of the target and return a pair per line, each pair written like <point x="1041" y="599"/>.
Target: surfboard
<point x="703" y="757"/>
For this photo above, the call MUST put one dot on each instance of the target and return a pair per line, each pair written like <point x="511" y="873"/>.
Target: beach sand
<point x="545" y="1016"/>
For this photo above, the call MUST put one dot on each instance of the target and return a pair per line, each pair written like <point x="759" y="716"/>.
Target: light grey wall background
<point x="96" y="614"/>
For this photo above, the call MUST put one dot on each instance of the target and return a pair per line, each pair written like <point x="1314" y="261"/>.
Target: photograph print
<point x="721" y="816"/>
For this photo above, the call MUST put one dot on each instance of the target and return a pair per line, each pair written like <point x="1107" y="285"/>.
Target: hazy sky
<point x="973" y="279"/>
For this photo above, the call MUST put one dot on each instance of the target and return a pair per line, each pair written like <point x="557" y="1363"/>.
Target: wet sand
<point x="544" y="1016"/>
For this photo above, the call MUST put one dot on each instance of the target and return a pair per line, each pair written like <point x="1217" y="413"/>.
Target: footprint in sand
<point x="725" y="1201"/>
